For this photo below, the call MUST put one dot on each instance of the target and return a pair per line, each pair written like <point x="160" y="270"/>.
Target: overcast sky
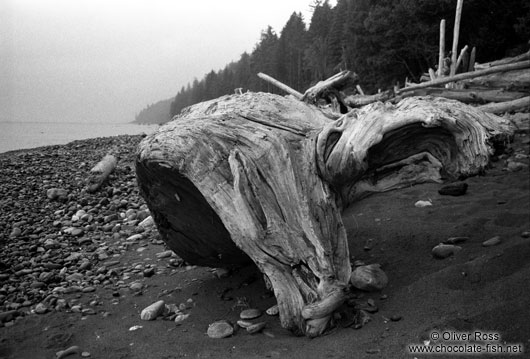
<point x="105" y="60"/>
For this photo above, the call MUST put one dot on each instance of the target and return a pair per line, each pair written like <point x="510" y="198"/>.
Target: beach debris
<point x="85" y="354"/>
<point x="455" y="240"/>
<point x="250" y="313"/>
<point x="135" y="327"/>
<point x="274" y="310"/>
<point x="369" y="277"/>
<point x="442" y="250"/>
<point x="69" y="351"/>
<point x="256" y="328"/>
<point x="454" y="189"/>
<point x="220" y="329"/>
<point x="152" y="311"/>
<point x="525" y="234"/>
<point x="421" y="203"/>
<point x="493" y="241"/>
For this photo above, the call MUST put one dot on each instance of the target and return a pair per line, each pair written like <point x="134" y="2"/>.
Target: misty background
<point x="103" y="61"/>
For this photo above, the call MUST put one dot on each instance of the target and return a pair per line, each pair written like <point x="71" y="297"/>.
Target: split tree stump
<point x="264" y="178"/>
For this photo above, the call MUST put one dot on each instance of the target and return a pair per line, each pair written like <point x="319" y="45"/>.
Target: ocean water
<point x="23" y="135"/>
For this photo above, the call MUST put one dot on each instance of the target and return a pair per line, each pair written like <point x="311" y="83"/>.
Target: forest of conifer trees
<point x="383" y="41"/>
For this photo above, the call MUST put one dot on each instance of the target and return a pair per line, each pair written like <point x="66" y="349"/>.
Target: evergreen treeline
<point x="155" y="113"/>
<point x="383" y="41"/>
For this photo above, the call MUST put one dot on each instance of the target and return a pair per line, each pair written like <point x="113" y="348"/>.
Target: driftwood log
<point x="265" y="178"/>
<point x="100" y="172"/>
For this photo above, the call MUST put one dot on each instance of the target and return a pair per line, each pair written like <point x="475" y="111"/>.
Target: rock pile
<point x="56" y="237"/>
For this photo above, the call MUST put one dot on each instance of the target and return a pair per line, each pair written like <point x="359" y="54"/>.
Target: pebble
<point x="454" y="189"/>
<point x="244" y="323"/>
<point x="256" y="328"/>
<point x="274" y="310"/>
<point x="164" y="254"/>
<point x="442" y="251"/>
<point x="149" y="272"/>
<point x="525" y="234"/>
<point x="220" y="329"/>
<point x="455" y="240"/>
<point x="181" y="318"/>
<point x="40" y="308"/>
<point x="152" y="311"/>
<point x="421" y="204"/>
<point x="369" y="278"/>
<point x="492" y="241"/>
<point x="147" y="222"/>
<point x="250" y="313"/>
<point x="77" y="232"/>
<point x="136" y="286"/>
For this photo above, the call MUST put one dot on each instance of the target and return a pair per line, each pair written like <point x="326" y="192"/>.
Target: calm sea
<point x="22" y="135"/>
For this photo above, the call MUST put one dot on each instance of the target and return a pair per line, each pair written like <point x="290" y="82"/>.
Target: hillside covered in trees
<point x="156" y="113"/>
<point x="383" y="41"/>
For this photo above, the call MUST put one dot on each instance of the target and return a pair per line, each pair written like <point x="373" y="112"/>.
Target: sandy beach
<point x="77" y="270"/>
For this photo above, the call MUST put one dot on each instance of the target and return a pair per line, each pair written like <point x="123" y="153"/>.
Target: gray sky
<point x="105" y="60"/>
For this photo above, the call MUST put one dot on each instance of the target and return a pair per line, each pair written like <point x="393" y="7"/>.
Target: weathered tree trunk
<point x="265" y="177"/>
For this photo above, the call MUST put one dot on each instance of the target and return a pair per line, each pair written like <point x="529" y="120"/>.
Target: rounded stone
<point x="369" y="278"/>
<point x="250" y="313"/>
<point x="220" y="329"/>
<point x="493" y="241"/>
<point x="442" y="251"/>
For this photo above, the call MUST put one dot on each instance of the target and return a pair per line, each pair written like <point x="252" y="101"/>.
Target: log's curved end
<point x="384" y="146"/>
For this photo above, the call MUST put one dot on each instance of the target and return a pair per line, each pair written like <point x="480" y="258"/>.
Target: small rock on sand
<point x="492" y="241"/>
<point x="250" y="313"/>
<point x="152" y="311"/>
<point x="220" y="329"/>
<point x="421" y="204"/>
<point x="369" y="277"/>
<point x="442" y="251"/>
